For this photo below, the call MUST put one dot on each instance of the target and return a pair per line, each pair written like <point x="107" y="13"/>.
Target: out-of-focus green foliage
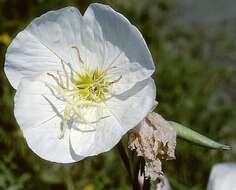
<point x="194" y="88"/>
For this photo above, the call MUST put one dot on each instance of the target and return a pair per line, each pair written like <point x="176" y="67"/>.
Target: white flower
<point x="82" y="81"/>
<point x="222" y="177"/>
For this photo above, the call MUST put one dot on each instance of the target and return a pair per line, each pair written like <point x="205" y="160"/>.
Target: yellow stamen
<point x="86" y="89"/>
<point x="78" y="54"/>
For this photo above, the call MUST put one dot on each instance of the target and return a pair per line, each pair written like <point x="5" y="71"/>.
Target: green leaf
<point x="194" y="137"/>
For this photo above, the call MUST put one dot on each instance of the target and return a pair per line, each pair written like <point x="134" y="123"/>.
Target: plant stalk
<point x="125" y="159"/>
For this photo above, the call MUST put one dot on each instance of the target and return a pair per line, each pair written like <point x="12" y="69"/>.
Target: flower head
<point x="79" y="81"/>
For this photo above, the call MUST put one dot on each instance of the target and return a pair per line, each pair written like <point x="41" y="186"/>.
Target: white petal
<point x="59" y="31"/>
<point x="43" y="44"/>
<point x="27" y="57"/>
<point x="39" y="114"/>
<point x="117" y="42"/>
<point x="105" y="136"/>
<point x="131" y="107"/>
<point x="44" y="142"/>
<point x="124" y="112"/>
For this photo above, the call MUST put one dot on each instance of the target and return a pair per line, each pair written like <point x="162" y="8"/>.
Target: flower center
<point x="92" y="85"/>
<point x="82" y="93"/>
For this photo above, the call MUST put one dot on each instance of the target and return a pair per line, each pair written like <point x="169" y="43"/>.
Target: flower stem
<point x="136" y="171"/>
<point x="125" y="159"/>
<point x="146" y="184"/>
<point x="68" y="180"/>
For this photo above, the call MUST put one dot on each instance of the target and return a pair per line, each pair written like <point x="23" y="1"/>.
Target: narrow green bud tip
<point x="226" y="147"/>
<point x="194" y="137"/>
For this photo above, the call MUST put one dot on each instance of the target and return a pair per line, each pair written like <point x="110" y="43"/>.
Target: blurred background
<point x="193" y="44"/>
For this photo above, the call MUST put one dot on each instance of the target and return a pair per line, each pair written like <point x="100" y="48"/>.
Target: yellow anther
<point x="65" y="73"/>
<point x="78" y="54"/>
<point x="54" y="78"/>
<point x="116" y="80"/>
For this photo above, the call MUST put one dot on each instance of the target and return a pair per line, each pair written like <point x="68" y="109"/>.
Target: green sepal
<point x="194" y="137"/>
